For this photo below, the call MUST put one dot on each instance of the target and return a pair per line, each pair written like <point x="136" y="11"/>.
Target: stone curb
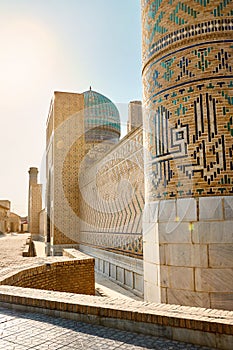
<point x="206" y="327"/>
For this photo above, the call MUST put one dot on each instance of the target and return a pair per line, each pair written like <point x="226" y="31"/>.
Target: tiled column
<point x="188" y="122"/>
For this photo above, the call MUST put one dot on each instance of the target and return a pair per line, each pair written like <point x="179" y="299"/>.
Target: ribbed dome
<point x="102" y="119"/>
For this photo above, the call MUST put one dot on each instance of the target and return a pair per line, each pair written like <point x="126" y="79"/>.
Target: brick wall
<point x="111" y="214"/>
<point x="43" y="223"/>
<point x="65" y="149"/>
<point x="74" y="276"/>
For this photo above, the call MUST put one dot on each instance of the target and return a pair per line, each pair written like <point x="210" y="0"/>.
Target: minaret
<point x="33" y="174"/>
<point x="34" y="202"/>
<point x="134" y="115"/>
<point x="188" y="118"/>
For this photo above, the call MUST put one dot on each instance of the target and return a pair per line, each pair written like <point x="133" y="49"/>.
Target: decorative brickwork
<point x="65" y="149"/>
<point x="74" y="276"/>
<point x="113" y="197"/>
<point x="95" y="187"/>
<point x="188" y="99"/>
<point x="188" y="81"/>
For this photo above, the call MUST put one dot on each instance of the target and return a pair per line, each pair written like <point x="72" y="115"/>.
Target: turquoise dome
<point x="101" y="117"/>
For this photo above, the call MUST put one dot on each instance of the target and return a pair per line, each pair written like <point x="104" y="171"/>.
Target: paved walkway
<point x="23" y="331"/>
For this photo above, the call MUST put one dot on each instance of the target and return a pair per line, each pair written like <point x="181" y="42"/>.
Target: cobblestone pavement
<point x="22" y="331"/>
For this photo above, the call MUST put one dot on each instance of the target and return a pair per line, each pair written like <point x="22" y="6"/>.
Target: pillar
<point x="188" y="121"/>
<point x="34" y="202"/>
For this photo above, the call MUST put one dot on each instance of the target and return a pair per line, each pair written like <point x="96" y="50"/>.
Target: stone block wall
<point x="188" y="252"/>
<point x="121" y="269"/>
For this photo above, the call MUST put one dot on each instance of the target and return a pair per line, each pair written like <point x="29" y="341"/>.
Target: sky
<point x="59" y="45"/>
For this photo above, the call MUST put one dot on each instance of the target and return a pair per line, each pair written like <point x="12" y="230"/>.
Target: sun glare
<point x="26" y="53"/>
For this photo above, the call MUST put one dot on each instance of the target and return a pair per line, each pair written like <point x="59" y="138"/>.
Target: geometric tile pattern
<point x="182" y="20"/>
<point x="119" y="243"/>
<point x="112" y="199"/>
<point x="188" y="95"/>
<point x="95" y="190"/>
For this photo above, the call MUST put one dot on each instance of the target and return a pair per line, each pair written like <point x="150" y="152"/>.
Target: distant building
<point x="4" y="215"/>
<point x="95" y="185"/>
<point x="9" y="222"/>
<point x="24" y="224"/>
<point x="14" y="222"/>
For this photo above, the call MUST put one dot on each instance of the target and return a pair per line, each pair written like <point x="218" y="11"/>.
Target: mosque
<point x="95" y="185"/>
<point x="155" y="208"/>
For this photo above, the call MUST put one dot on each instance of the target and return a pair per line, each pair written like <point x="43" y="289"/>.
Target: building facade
<point x="4" y="216"/>
<point x="95" y="185"/>
<point x="64" y="152"/>
<point x="9" y="222"/>
<point x="14" y="222"/>
<point x="180" y="165"/>
<point x="188" y="101"/>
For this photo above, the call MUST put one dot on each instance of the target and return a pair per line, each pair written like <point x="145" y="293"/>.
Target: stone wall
<point x="191" y="253"/>
<point x="121" y="269"/>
